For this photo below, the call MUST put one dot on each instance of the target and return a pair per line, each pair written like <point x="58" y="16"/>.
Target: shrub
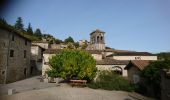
<point x="74" y="64"/>
<point x="110" y="81"/>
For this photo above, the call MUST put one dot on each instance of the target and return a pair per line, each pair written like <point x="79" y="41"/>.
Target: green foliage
<point x="108" y="80"/>
<point x="58" y="41"/>
<point x="52" y="73"/>
<point x="69" y="39"/>
<point x="38" y="33"/>
<point x="29" y="29"/>
<point x="164" y="56"/>
<point x="19" y="24"/>
<point x="3" y="21"/>
<point x="152" y="74"/>
<point x="74" y="64"/>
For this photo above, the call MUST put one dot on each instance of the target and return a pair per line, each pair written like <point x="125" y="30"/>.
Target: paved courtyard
<point x="32" y="89"/>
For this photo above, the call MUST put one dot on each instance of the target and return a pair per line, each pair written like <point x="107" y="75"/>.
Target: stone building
<point x="106" y="58"/>
<point x="97" y="41"/>
<point x="36" y="57"/>
<point x="15" y="55"/>
<point x="134" y="69"/>
<point x="132" y="56"/>
<point x="43" y="44"/>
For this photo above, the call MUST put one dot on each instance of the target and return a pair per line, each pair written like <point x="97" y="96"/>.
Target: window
<point x="11" y="53"/>
<point x="25" y="53"/>
<point x="12" y="37"/>
<point x="25" y="42"/>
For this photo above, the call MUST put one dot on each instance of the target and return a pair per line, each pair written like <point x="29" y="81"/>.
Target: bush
<point x="110" y="81"/>
<point x="52" y="73"/>
<point x="74" y="64"/>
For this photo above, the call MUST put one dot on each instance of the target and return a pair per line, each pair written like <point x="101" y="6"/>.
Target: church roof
<point x="108" y="61"/>
<point x="131" y="54"/>
<point x="97" y="31"/>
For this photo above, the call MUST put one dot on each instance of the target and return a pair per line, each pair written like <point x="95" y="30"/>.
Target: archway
<point x="117" y="70"/>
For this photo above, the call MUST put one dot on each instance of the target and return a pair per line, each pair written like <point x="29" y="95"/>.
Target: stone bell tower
<point x="97" y="41"/>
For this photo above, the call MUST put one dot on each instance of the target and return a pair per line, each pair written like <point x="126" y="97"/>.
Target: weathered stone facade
<point x="36" y="57"/>
<point x="15" y="56"/>
<point x="97" y="41"/>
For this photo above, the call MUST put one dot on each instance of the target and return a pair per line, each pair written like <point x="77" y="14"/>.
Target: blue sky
<point x="140" y="25"/>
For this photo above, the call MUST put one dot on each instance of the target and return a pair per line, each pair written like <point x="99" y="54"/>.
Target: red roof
<point x="140" y="64"/>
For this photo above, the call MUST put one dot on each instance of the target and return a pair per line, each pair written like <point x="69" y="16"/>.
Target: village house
<point x="43" y="44"/>
<point x="134" y="68"/>
<point x="36" y="57"/>
<point x="106" y="58"/>
<point x="15" y="53"/>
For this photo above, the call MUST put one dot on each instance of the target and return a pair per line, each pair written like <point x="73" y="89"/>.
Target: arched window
<point x="117" y="70"/>
<point x="98" y="39"/>
<point x="101" y="38"/>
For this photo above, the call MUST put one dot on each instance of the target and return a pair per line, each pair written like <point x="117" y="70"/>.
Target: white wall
<point x="45" y="65"/>
<point x="97" y="56"/>
<point x="135" y="57"/>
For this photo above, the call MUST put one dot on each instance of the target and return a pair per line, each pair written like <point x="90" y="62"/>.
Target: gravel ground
<point x="33" y="89"/>
<point x="33" y="83"/>
<point x="68" y="93"/>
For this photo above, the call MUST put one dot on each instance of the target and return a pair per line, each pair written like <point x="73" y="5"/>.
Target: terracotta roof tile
<point x="141" y="64"/>
<point x="108" y="61"/>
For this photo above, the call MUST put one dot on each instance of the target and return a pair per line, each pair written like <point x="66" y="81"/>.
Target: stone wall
<point x="16" y="67"/>
<point x="131" y="72"/>
<point x="45" y="65"/>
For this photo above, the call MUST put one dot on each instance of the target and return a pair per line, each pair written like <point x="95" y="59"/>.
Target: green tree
<point x="38" y="33"/>
<point x="164" y="56"/>
<point x="29" y="29"/>
<point x="74" y="64"/>
<point x="19" y="24"/>
<point x="152" y="75"/>
<point x="3" y="21"/>
<point x="58" y="41"/>
<point x="69" y="39"/>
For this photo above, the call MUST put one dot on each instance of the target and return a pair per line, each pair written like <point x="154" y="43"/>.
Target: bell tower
<point x="97" y="41"/>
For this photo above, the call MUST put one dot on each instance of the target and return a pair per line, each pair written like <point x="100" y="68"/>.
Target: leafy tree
<point x="164" y="56"/>
<point x="19" y="24"/>
<point x="58" y="41"/>
<point x="152" y="74"/>
<point x="29" y="29"/>
<point x="38" y="33"/>
<point x="69" y="39"/>
<point x="73" y="64"/>
<point x="3" y="21"/>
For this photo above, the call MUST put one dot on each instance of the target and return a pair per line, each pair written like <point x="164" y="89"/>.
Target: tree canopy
<point x="19" y="24"/>
<point x="29" y="29"/>
<point x="73" y="64"/>
<point x="38" y="33"/>
<point x="69" y="39"/>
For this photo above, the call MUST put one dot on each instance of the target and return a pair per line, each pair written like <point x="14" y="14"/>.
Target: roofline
<point x="11" y="30"/>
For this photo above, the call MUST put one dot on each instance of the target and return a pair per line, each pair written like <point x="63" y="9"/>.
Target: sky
<point x="138" y="25"/>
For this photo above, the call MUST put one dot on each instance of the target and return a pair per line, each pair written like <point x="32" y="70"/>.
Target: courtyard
<point x="34" y="89"/>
